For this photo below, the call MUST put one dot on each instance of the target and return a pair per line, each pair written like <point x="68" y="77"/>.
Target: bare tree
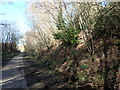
<point x="43" y="24"/>
<point x="10" y="37"/>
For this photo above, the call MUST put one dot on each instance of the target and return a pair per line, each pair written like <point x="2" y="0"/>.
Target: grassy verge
<point x="6" y="57"/>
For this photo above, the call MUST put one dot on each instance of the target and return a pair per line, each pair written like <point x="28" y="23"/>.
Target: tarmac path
<point x="12" y="77"/>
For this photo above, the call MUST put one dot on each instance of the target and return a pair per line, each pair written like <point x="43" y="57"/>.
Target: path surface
<point x="12" y="76"/>
<point x="21" y="72"/>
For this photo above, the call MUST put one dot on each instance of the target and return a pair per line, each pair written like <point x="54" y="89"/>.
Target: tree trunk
<point x="105" y="49"/>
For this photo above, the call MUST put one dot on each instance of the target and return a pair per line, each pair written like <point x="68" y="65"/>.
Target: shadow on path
<point x="12" y="76"/>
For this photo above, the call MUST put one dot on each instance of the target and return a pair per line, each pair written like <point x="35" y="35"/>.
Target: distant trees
<point x="10" y="38"/>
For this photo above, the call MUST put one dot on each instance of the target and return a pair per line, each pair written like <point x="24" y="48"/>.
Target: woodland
<point x="78" y="40"/>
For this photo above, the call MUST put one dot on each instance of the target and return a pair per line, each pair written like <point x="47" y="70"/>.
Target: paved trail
<point x="22" y="73"/>
<point x="12" y="76"/>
